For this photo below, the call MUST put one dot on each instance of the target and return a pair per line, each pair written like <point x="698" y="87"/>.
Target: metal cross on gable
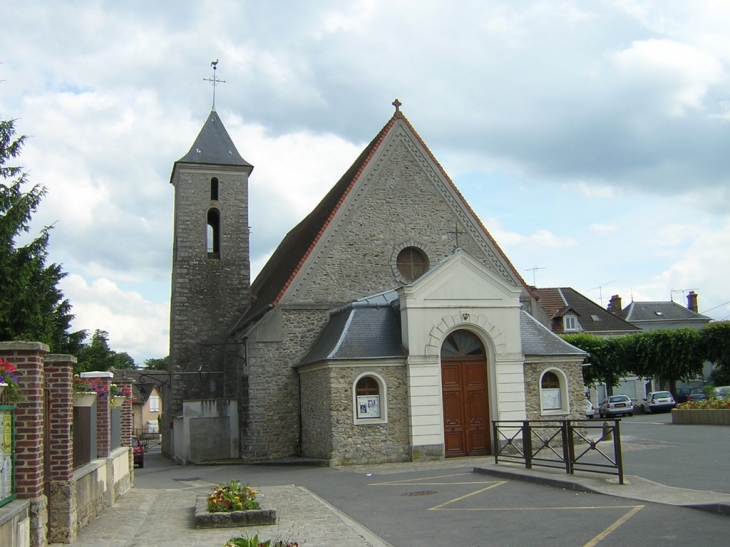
<point x="214" y="80"/>
<point x="456" y="233"/>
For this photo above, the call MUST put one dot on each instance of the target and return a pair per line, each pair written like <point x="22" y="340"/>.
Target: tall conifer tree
<point x="32" y="307"/>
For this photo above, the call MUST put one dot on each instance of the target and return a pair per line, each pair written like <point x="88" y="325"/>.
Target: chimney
<point x="614" y="306"/>
<point x="692" y="302"/>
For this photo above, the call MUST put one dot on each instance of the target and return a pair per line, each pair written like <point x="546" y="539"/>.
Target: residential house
<point x="570" y="312"/>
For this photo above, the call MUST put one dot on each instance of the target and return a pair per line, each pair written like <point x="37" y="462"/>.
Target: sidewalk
<point x="163" y="518"/>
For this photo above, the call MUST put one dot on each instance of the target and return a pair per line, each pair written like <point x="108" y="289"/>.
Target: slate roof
<point x="361" y="330"/>
<point x="538" y="340"/>
<point x="213" y="146"/>
<point x="279" y="272"/>
<point x="638" y="312"/>
<point x="370" y="329"/>
<point x="592" y="318"/>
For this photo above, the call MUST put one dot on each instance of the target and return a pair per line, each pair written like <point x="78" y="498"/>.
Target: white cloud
<point x="684" y="72"/>
<point x="135" y="325"/>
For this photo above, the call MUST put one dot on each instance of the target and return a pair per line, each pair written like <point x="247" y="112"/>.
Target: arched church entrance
<point x="465" y="395"/>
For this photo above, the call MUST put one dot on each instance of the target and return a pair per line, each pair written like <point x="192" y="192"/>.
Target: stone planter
<point x="234" y="519"/>
<point x="701" y="417"/>
<point x="2" y="388"/>
<point x="84" y="399"/>
<point x="118" y="401"/>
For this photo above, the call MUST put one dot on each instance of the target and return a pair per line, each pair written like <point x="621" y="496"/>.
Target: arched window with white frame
<point x="369" y="399"/>
<point x="553" y="392"/>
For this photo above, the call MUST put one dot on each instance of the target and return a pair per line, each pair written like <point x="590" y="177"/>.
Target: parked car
<point x="697" y="394"/>
<point x="682" y="394"/>
<point x="616" y="405"/>
<point x="138" y="452"/>
<point x="657" y="401"/>
<point x="590" y="411"/>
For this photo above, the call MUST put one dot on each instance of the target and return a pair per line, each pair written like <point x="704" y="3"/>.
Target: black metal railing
<point x="573" y="445"/>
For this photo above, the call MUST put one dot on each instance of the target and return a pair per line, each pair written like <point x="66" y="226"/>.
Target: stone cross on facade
<point x="397" y="104"/>
<point x="214" y="80"/>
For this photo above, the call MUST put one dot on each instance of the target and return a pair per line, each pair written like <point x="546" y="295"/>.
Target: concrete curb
<point x="634" y="487"/>
<point x="234" y="519"/>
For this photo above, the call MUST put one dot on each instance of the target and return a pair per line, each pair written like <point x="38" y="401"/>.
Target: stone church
<point x="387" y="326"/>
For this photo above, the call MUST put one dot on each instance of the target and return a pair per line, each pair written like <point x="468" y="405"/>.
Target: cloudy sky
<point x="591" y="137"/>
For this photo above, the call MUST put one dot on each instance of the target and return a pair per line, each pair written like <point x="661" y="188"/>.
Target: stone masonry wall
<point x="316" y="414"/>
<point x="576" y="390"/>
<point x="399" y="206"/>
<point x="270" y="425"/>
<point x="369" y="443"/>
<point x="208" y="293"/>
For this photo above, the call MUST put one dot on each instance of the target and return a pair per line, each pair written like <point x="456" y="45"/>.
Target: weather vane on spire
<point x="214" y="80"/>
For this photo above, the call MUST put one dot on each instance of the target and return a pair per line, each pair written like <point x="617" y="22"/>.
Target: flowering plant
<point x="118" y="391"/>
<point x="90" y="385"/>
<point x="8" y="376"/>
<point x="232" y="497"/>
<point x="711" y="404"/>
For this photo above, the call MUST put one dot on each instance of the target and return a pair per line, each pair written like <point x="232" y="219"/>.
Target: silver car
<point x="658" y="400"/>
<point x="616" y="405"/>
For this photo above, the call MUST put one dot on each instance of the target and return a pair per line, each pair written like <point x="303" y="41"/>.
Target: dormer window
<point x="570" y="323"/>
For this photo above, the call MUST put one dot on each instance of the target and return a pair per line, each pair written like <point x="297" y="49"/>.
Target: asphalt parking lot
<point x="445" y="503"/>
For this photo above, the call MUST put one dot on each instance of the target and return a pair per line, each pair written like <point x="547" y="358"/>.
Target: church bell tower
<point x="210" y="274"/>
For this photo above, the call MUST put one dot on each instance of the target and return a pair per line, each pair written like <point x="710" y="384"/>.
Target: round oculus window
<point x="412" y="263"/>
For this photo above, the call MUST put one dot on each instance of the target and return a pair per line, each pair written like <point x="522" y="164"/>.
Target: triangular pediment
<point x="462" y="280"/>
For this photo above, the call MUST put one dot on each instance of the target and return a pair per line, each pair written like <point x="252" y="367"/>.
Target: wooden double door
<point x="466" y="401"/>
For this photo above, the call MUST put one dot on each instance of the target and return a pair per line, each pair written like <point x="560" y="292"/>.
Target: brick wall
<point x="29" y="428"/>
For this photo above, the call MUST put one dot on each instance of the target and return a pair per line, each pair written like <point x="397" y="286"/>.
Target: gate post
<point x="527" y="443"/>
<point x="28" y="359"/>
<point x="103" y="414"/>
<point x="62" y="525"/>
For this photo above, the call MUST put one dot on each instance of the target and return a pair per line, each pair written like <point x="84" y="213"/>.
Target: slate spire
<point x="213" y="145"/>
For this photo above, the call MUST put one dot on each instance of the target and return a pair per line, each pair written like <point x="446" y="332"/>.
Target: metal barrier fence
<point x="561" y="444"/>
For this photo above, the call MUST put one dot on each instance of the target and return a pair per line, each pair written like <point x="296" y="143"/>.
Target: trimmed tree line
<point x="671" y="355"/>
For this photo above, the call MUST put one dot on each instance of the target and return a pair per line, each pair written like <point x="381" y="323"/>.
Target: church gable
<point x="395" y="198"/>
<point x="399" y="199"/>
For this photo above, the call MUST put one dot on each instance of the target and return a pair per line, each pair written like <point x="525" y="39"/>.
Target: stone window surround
<point x="383" y="400"/>
<point x="398" y="247"/>
<point x="564" y="393"/>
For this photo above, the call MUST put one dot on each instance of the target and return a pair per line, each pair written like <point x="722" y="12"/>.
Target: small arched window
<point x="214" y="189"/>
<point x="213" y="239"/>
<point x="369" y="400"/>
<point x="553" y="393"/>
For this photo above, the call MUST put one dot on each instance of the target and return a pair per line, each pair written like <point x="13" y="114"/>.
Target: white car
<point x="590" y="411"/>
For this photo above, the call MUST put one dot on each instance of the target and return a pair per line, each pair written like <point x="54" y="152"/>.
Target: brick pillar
<point x="29" y="429"/>
<point x="127" y="424"/>
<point x="62" y="491"/>
<point x="103" y="414"/>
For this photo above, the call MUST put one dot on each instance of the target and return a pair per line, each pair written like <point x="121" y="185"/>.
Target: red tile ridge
<point x="453" y="186"/>
<point x="356" y="176"/>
